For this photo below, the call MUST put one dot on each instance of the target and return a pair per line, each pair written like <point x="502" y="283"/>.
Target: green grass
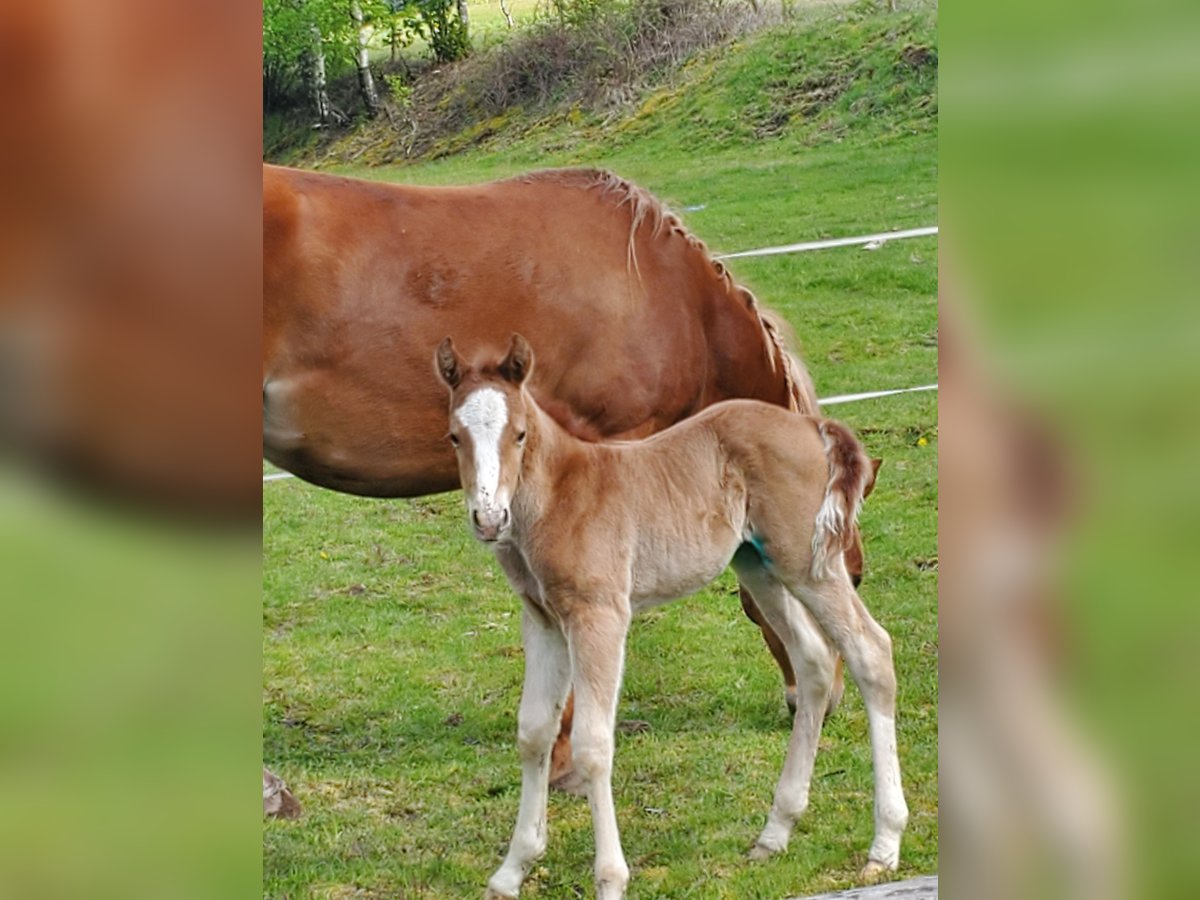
<point x="392" y="661"/>
<point x="487" y="21"/>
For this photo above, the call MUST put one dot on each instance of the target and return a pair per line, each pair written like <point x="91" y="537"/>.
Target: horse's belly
<point x="323" y="434"/>
<point x="661" y="577"/>
<point x="366" y="479"/>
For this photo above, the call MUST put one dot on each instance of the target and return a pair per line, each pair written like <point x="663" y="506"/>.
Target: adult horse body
<point x="635" y="325"/>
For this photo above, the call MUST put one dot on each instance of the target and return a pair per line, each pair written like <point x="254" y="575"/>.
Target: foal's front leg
<point x="547" y="674"/>
<point x="596" y="635"/>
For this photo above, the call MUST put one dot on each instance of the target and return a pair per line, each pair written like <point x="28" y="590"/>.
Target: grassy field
<point x="392" y="662"/>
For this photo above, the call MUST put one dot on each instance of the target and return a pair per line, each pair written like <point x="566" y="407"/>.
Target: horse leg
<point x="563" y="776"/>
<point x="867" y="648"/>
<point x="596" y="636"/>
<point x="278" y="801"/>
<point x="778" y="650"/>
<point x="547" y="667"/>
<point x="562" y="773"/>
<point x="774" y="644"/>
<point x="814" y="661"/>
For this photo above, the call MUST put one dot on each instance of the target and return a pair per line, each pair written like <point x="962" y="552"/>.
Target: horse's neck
<point x="549" y="447"/>
<point x="748" y="359"/>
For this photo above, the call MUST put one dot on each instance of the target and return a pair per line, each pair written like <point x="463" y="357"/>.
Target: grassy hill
<point x="391" y="653"/>
<point x="820" y="75"/>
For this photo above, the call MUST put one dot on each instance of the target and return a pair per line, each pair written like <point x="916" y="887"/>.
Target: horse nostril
<point x="504" y="522"/>
<point x="475" y="518"/>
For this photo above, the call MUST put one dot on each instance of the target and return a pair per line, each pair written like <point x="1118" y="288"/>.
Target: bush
<point x="440" y="25"/>
<point x="592" y="53"/>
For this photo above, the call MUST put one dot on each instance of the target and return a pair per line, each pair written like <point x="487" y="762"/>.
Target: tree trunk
<point x="462" y="14"/>
<point x="366" y="83"/>
<point x="320" y="92"/>
<point x="507" y="15"/>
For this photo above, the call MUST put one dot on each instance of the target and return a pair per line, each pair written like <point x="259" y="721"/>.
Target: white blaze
<point x="484" y="414"/>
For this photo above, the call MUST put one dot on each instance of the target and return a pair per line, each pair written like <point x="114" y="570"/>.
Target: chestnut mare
<point x="636" y="326"/>
<point x="590" y="534"/>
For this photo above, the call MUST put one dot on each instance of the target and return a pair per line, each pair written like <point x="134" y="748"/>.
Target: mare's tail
<point x="851" y="476"/>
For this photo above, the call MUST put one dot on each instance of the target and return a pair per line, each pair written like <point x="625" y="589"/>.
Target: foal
<point x="589" y="534"/>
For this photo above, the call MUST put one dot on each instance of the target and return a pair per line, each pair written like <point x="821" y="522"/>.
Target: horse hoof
<point x="873" y="871"/>
<point x="758" y="853"/>
<point x="490" y="894"/>
<point x="278" y="801"/>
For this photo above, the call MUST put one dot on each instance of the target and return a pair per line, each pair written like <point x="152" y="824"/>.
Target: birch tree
<point x="318" y="80"/>
<point x="312" y="43"/>
<point x="366" y="82"/>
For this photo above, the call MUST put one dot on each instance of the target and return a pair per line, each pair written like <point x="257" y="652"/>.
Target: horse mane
<point x="646" y="209"/>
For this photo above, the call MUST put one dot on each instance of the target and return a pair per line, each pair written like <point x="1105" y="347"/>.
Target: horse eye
<point x="521" y="438"/>
<point x="453" y="439"/>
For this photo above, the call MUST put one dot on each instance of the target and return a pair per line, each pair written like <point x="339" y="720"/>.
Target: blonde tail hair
<point x="850" y="475"/>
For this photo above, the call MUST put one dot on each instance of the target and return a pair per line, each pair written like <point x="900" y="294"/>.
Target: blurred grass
<point x="120" y="735"/>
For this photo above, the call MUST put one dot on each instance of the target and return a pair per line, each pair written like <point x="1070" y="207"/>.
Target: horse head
<point x="488" y="427"/>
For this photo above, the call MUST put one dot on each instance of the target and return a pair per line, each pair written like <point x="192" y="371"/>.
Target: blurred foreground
<point x="130" y="277"/>
<point x="1068" y="487"/>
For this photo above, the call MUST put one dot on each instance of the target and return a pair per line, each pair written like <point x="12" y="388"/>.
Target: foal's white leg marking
<point x="484" y="414"/>
<point x="813" y="662"/>
<point x="891" y="812"/>
<point x="867" y="648"/>
<point x="597" y="657"/>
<point x="547" y="676"/>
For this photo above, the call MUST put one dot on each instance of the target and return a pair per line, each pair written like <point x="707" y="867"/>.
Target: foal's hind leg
<point x="853" y="558"/>
<point x="867" y="649"/>
<point x="779" y="651"/>
<point x="774" y="644"/>
<point x="547" y="669"/>
<point x="813" y="661"/>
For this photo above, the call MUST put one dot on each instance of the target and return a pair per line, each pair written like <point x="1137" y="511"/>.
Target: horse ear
<point x="517" y="365"/>
<point x="875" y="464"/>
<point x="447" y="363"/>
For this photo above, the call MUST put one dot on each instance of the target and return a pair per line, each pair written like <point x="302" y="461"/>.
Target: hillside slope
<point x="815" y="78"/>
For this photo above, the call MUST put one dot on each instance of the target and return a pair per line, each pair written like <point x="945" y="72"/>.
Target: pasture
<point x="391" y="658"/>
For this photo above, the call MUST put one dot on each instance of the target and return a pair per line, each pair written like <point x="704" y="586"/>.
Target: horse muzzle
<point x="491" y="525"/>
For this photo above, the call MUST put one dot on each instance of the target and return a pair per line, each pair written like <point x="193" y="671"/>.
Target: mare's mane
<point x="646" y="209"/>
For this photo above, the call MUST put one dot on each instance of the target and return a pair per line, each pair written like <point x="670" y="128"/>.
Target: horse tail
<point x="851" y="476"/>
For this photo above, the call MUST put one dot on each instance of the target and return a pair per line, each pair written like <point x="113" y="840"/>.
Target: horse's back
<point x="747" y="428"/>
<point x="780" y="454"/>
